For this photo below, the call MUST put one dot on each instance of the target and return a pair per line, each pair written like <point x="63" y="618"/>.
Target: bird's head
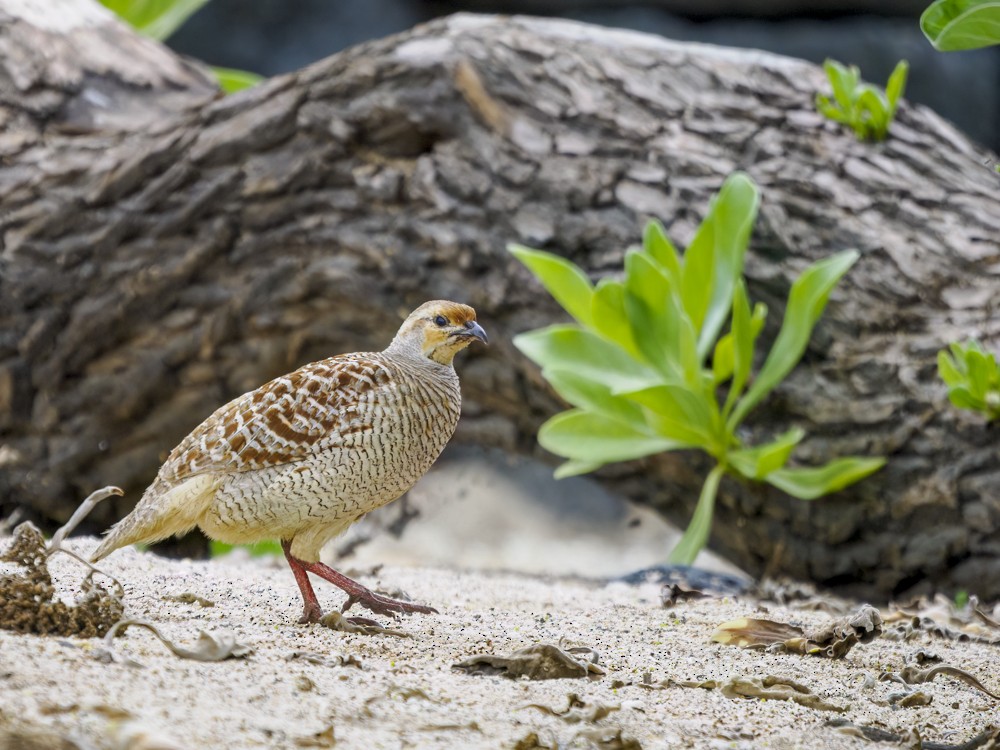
<point x="439" y="330"/>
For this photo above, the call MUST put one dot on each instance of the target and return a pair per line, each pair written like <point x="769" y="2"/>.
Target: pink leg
<point x="356" y="593"/>
<point x="311" y="611"/>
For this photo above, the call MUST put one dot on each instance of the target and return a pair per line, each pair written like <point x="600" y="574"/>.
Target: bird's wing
<point x="284" y="420"/>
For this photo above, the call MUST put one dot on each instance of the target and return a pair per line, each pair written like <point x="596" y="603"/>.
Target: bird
<point x="306" y="455"/>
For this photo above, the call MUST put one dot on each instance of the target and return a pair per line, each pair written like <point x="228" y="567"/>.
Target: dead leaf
<point x="472" y="726"/>
<point x="703" y="685"/>
<point x="54" y="709"/>
<point x="913" y="675"/>
<point x="532" y="741"/>
<point x="357" y="625"/>
<point x="331" y="660"/>
<point x="609" y="739"/>
<point x="323" y="738"/>
<point x="578" y="710"/>
<point x="671" y="593"/>
<point x="749" y="632"/>
<point x="541" y="661"/>
<point x="778" y="689"/>
<point x="939" y="616"/>
<point x="211" y="646"/>
<point x="137" y="735"/>
<point x="35" y="738"/>
<point x="912" y="699"/>
<point x="875" y="734"/>
<point x="188" y="598"/>
<point x="833" y="641"/>
<point x="80" y="513"/>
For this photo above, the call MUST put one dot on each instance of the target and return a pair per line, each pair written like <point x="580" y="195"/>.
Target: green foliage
<point x="972" y="377"/>
<point x="232" y="80"/>
<point x="257" y="549"/>
<point x="648" y="368"/>
<point x="159" y="19"/>
<point x="154" y="18"/>
<point x="866" y="109"/>
<point x="961" y="24"/>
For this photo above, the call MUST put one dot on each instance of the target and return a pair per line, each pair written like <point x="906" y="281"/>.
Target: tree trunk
<point x="152" y="268"/>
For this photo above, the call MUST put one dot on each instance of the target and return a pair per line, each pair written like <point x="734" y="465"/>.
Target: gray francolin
<point x="303" y="457"/>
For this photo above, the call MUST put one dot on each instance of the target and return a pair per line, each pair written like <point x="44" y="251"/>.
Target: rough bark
<point x="708" y="9"/>
<point x="149" y="273"/>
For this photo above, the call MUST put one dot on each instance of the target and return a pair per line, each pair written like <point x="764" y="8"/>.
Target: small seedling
<point x="866" y="109"/>
<point x="647" y="367"/>
<point x="972" y="377"/>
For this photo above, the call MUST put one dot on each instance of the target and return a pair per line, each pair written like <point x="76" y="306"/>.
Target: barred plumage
<point x="303" y="457"/>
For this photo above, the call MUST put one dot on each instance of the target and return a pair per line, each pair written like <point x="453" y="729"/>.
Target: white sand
<point x="407" y="695"/>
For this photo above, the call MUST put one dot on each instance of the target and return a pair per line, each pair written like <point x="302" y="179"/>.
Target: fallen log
<point x="164" y="249"/>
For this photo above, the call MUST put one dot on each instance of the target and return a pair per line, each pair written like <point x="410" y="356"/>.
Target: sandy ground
<point x="403" y="692"/>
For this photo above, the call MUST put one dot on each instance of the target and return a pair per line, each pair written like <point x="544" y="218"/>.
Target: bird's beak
<point x="475" y="331"/>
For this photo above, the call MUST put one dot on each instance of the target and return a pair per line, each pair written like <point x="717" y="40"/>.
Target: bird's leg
<point x="311" y="611"/>
<point x="356" y="593"/>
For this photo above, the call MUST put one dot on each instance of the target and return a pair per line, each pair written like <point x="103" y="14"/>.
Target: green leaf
<point x="810" y="483"/>
<point x="725" y="233"/>
<point x="977" y="369"/>
<point x="831" y="111"/>
<point x="745" y="328"/>
<point x="568" y="285"/>
<point x="608" y="315"/>
<point x="876" y="124"/>
<point x="594" y="438"/>
<point x="682" y="415"/>
<point x="843" y="81"/>
<point x="662" y="250"/>
<point x="896" y="86"/>
<point x="723" y="360"/>
<point x="232" y="80"/>
<point x="575" y="468"/>
<point x="961" y="24"/>
<point x="647" y="304"/>
<point x="594" y="396"/>
<point x="948" y="370"/>
<point x="567" y="347"/>
<point x="962" y="397"/>
<point x="154" y="18"/>
<point x="698" y="274"/>
<point x="696" y="536"/>
<point x="958" y="351"/>
<point x="761" y="460"/>
<point x="806" y="302"/>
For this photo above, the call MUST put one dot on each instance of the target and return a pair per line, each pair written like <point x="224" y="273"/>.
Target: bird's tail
<point x="162" y="512"/>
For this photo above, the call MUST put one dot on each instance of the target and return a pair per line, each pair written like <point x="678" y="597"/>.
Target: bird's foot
<point x="311" y="612"/>
<point x="383" y="605"/>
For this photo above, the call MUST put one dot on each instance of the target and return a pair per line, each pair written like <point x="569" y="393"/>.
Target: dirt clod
<point x="29" y="602"/>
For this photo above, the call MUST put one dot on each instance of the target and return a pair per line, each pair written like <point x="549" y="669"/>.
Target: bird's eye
<point x="441" y="321"/>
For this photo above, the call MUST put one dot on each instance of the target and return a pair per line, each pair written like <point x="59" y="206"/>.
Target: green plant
<point x="961" y="24"/>
<point x="647" y="367"/>
<point x="257" y="549"/>
<point x="865" y="108"/>
<point x="972" y="377"/>
<point x="159" y="19"/>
